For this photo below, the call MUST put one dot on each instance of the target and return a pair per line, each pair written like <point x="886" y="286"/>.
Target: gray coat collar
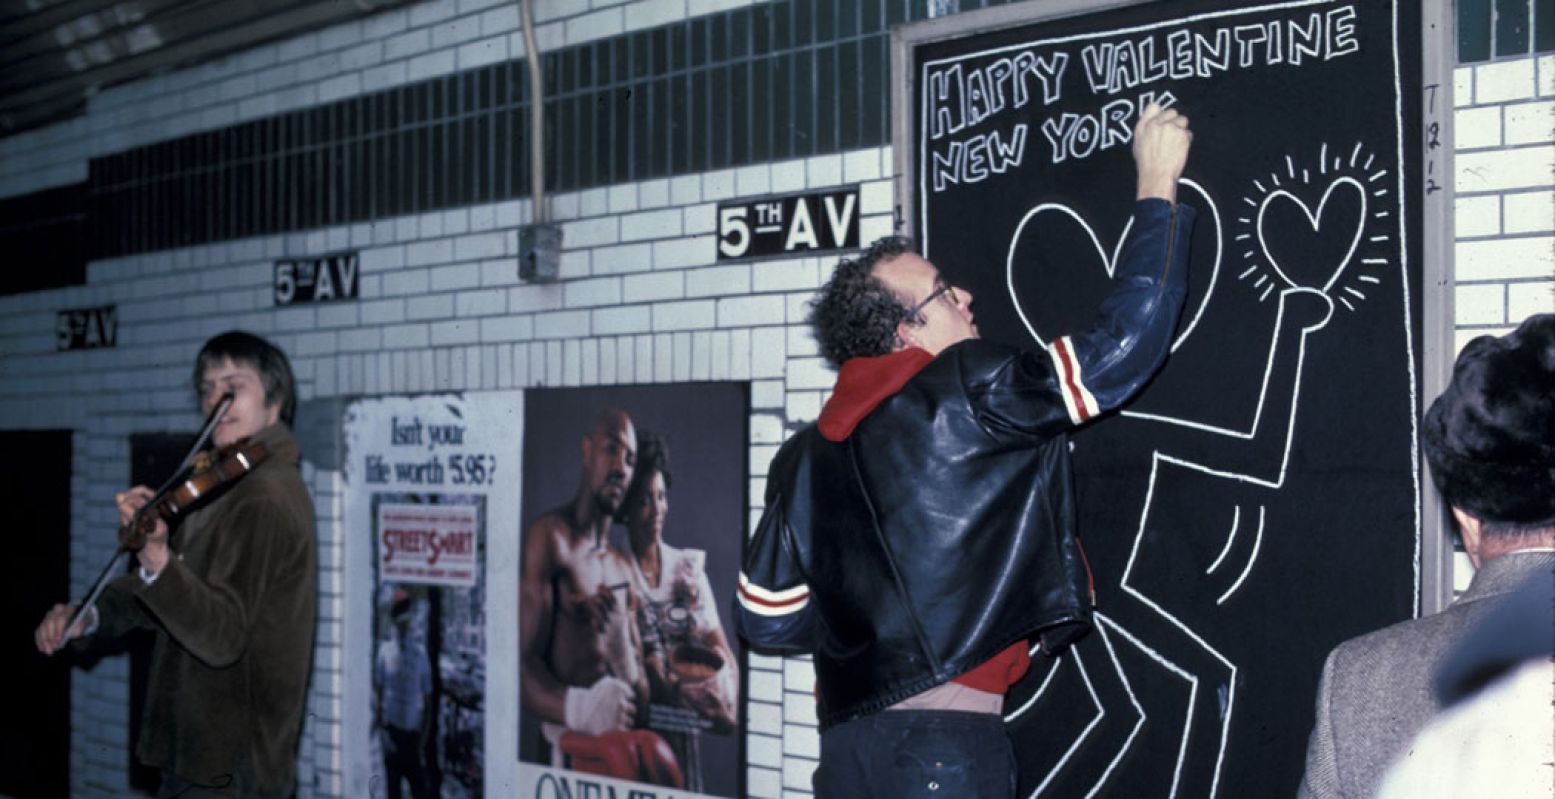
<point x="1498" y="576"/>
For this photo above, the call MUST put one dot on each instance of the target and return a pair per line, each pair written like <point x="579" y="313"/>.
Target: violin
<point x="210" y="472"/>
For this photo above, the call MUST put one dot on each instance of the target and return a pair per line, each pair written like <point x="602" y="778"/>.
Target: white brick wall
<point x="1504" y="268"/>
<point x="643" y="300"/>
<point x="442" y="309"/>
<point x="387" y="49"/>
<point x="1504" y="255"/>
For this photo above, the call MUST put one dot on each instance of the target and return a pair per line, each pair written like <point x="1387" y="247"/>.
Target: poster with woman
<point x="634" y="507"/>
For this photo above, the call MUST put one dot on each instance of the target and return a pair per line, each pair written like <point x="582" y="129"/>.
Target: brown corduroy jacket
<point x="234" y="614"/>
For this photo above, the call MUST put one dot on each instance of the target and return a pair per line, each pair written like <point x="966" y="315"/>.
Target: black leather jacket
<point x="941" y="530"/>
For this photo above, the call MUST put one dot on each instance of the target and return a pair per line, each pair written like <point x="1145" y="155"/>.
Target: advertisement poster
<point x="634" y="517"/>
<point x="429" y="609"/>
<point x="430" y="485"/>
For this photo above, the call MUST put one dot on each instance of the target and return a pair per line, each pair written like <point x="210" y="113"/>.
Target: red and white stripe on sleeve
<point x="1071" y="381"/>
<point x="763" y="602"/>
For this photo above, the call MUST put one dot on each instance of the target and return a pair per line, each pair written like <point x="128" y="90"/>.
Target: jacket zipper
<point x="1166" y="268"/>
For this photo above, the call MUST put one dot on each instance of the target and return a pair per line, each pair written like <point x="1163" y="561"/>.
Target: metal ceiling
<point x="55" y="54"/>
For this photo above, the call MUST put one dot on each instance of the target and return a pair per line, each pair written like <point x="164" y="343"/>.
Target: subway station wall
<point x="402" y="137"/>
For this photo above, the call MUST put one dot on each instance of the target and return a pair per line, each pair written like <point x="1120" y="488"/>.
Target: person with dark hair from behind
<point x="923" y="529"/>
<point x="1490" y="442"/>
<point x="230" y="595"/>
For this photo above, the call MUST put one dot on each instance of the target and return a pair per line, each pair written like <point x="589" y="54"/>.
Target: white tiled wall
<point x="391" y="48"/>
<point x="1504" y="257"/>
<point x="642" y="299"/>
<point x="1505" y="194"/>
<point x="441" y="308"/>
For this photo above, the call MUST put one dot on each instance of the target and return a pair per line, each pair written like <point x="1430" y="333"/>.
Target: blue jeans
<point x="917" y="753"/>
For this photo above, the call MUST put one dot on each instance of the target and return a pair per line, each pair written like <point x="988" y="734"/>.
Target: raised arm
<point x="1161" y="142"/>
<point x="1099" y="369"/>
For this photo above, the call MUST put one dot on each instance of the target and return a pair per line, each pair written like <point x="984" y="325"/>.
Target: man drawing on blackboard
<point x="923" y="529"/>
<point x="1488" y="438"/>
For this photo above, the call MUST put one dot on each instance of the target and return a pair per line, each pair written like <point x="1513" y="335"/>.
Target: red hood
<point x="864" y="383"/>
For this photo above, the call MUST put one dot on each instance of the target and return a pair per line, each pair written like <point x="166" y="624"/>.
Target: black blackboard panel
<point x="1259" y="502"/>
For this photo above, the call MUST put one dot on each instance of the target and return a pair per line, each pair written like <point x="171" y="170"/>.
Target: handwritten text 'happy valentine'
<point x="959" y="99"/>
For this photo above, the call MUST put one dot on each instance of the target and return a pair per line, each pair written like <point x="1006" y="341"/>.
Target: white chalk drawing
<point x="1121" y="693"/>
<point x="1346" y="178"/>
<point x="1305" y="295"/>
<point x="1202" y="200"/>
<point x="1251" y="559"/>
<point x="1105" y="628"/>
<point x="1314" y="218"/>
<point x="959" y="94"/>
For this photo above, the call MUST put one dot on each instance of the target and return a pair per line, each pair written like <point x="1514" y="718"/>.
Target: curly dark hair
<point x="855" y="315"/>
<point x="653" y="455"/>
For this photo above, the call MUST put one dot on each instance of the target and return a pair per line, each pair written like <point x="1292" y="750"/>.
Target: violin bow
<point x="108" y="571"/>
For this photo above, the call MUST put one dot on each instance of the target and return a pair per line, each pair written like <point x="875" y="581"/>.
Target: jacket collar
<point x="278" y="439"/>
<point x="864" y="383"/>
<point x="1500" y="575"/>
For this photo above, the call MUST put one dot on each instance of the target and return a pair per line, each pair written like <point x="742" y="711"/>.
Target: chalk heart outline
<point x="1109" y="263"/>
<point x="1315" y="218"/>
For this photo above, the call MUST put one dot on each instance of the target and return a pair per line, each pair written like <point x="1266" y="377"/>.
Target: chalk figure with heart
<point x="1309" y="247"/>
<point x="1053" y="295"/>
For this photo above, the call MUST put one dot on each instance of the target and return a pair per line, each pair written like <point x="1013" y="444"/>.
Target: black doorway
<point x="35" y="735"/>
<point x="154" y="457"/>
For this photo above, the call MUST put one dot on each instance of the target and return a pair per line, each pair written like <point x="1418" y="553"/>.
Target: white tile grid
<point x="369" y="54"/>
<point x="1504" y="254"/>
<point x="1504" y="270"/>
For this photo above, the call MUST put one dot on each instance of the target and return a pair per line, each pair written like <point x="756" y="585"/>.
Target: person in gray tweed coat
<point x="1490" y="441"/>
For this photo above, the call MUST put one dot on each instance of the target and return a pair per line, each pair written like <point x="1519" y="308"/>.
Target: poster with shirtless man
<point x="634" y="506"/>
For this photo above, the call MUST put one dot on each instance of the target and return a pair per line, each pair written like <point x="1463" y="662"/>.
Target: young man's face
<point x="249" y="412"/>
<point x="946" y="320"/>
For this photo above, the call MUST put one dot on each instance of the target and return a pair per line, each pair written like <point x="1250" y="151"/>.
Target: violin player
<point x="231" y="597"/>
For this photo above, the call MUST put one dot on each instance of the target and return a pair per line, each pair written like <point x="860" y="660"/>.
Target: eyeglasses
<point x="945" y="288"/>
